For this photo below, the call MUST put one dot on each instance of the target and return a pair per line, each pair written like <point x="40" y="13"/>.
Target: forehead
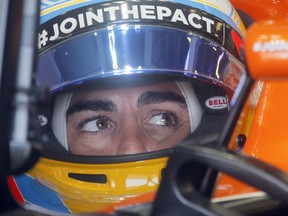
<point x="124" y="91"/>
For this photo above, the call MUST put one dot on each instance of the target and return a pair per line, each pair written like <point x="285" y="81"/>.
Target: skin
<point x="129" y="120"/>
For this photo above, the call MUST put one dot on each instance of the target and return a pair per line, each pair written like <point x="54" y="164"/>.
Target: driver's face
<point x="127" y="120"/>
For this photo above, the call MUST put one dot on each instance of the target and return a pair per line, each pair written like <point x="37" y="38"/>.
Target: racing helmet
<point x="99" y="45"/>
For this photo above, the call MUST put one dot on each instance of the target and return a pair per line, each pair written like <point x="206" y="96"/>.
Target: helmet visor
<point x="134" y="49"/>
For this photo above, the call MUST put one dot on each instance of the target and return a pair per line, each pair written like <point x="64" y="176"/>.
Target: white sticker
<point x="43" y="120"/>
<point x="216" y="103"/>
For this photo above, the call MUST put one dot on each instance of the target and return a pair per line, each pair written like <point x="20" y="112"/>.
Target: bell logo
<point x="216" y="103"/>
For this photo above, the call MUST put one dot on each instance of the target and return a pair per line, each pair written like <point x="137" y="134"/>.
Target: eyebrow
<point x="94" y="105"/>
<point x="150" y="97"/>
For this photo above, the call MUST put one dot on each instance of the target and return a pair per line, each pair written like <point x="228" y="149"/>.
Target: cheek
<point x="88" y="143"/>
<point x="164" y="125"/>
<point x="173" y="138"/>
<point x="182" y="132"/>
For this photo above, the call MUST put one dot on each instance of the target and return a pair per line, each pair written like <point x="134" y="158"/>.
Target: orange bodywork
<point x="268" y="135"/>
<point x="262" y="9"/>
<point x="262" y="119"/>
<point x="266" y="49"/>
<point x="266" y="129"/>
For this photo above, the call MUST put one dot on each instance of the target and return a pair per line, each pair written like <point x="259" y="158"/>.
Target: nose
<point x="132" y="140"/>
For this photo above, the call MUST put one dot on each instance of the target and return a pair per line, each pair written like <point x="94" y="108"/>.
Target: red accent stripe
<point x="15" y="190"/>
<point x="237" y="41"/>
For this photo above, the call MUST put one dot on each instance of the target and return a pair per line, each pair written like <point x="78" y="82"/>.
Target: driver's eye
<point x="96" y="125"/>
<point x="163" y="119"/>
<point x="101" y="124"/>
